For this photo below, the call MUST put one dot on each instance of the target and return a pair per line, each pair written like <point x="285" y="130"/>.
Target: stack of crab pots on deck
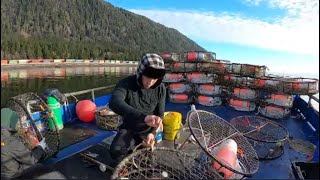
<point x="198" y="77"/>
<point x="179" y="90"/>
<point x="278" y="93"/>
<point x="239" y="79"/>
<point x="190" y="78"/>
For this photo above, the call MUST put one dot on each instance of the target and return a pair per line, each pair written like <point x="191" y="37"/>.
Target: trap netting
<point x="164" y="163"/>
<point x="260" y="129"/>
<point x="106" y="119"/>
<point x="185" y="142"/>
<point x="232" y="154"/>
<point x="35" y="122"/>
<point x="302" y="146"/>
<point x="267" y="151"/>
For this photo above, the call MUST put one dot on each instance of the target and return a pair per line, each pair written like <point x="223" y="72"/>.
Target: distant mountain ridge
<point x="82" y="29"/>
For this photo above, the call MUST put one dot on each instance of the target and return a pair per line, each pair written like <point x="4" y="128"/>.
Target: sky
<point x="281" y="34"/>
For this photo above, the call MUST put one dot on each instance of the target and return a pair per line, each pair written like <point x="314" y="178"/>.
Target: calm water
<point x="66" y="79"/>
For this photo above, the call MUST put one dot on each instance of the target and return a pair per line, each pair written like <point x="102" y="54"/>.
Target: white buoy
<point x="164" y="174"/>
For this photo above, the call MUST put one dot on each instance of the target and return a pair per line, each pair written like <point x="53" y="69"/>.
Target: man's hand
<point x="150" y="139"/>
<point x="153" y="121"/>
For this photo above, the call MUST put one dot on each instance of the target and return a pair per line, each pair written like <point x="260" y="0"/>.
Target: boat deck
<point x="67" y="164"/>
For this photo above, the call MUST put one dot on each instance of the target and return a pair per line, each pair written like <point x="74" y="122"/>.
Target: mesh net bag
<point x="164" y="163"/>
<point x="260" y="129"/>
<point x="106" y="119"/>
<point x="35" y="122"/>
<point x="233" y="156"/>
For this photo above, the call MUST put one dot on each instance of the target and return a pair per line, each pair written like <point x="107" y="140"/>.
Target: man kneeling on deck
<point x="15" y="157"/>
<point x="140" y="100"/>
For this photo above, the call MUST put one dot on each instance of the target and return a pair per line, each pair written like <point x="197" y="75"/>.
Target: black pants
<point x="121" y="143"/>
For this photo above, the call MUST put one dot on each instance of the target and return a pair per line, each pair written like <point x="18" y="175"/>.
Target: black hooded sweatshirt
<point x="130" y="100"/>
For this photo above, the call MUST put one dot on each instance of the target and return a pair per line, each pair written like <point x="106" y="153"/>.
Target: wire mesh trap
<point x="35" y="122"/>
<point x="106" y="119"/>
<point x="231" y="152"/>
<point x="270" y="137"/>
<point x="164" y="163"/>
<point x="301" y="146"/>
<point x="267" y="151"/>
<point x="260" y="129"/>
<point x="185" y="142"/>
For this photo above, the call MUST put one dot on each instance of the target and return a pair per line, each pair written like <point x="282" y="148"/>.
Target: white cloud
<point x="297" y="32"/>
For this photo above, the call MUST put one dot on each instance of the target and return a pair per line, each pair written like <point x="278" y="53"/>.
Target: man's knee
<point x="120" y="143"/>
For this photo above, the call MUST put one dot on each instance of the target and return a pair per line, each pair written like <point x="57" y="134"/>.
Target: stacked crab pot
<point x="198" y="77"/>
<point x="179" y="90"/>
<point x="191" y="79"/>
<point x="278" y="93"/>
<point x="239" y="78"/>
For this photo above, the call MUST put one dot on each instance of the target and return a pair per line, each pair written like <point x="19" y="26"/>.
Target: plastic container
<point x="171" y="125"/>
<point x="159" y="134"/>
<point x="55" y="107"/>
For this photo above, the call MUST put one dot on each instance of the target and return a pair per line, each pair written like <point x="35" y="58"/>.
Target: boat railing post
<point x="309" y="102"/>
<point x="92" y="94"/>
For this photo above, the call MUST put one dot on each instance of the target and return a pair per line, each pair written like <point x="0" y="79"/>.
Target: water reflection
<point x="66" y="79"/>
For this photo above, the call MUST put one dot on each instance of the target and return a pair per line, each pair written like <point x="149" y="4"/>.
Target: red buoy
<point x="85" y="110"/>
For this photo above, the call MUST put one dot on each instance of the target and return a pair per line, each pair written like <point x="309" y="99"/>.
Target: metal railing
<point x="316" y="99"/>
<point x="73" y="94"/>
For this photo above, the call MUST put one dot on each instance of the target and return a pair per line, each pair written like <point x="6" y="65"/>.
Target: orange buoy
<point x="176" y="85"/>
<point x="179" y="88"/>
<point x="180" y="97"/>
<point x="207" y="87"/>
<point x="239" y="103"/>
<point x="280" y="96"/>
<point x="227" y="153"/>
<point x="85" y="110"/>
<point x="203" y="99"/>
<point x="192" y="56"/>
